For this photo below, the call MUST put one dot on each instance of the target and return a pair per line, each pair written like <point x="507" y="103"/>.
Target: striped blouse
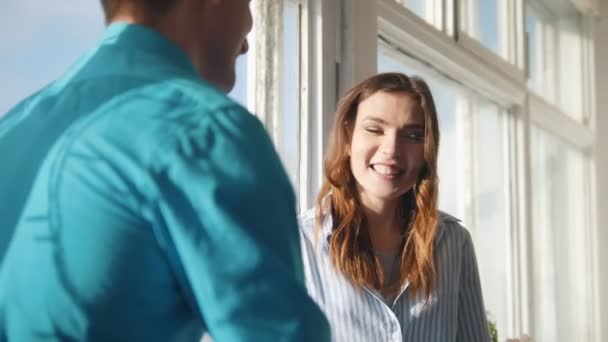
<point x="454" y="312"/>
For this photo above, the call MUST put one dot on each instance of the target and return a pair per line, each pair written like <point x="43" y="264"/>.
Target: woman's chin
<point x="385" y="194"/>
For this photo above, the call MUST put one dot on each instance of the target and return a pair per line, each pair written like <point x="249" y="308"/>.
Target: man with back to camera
<point x="144" y="220"/>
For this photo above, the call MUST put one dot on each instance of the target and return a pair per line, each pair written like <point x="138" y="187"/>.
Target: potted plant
<point x="492" y="327"/>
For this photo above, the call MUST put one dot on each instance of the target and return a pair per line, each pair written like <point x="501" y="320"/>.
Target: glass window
<point x="561" y="268"/>
<point x="534" y="30"/>
<point x="490" y="229"/>
<point x="429" y="10"/>
<point x="570" y="78"/>
<point x="472" y="175"/>
<point x="417" y="6"/>
<point x="289" y="135"/>
<point x="555" y="45"/>
<point x="34" y="50"/>
<point x="488" y="25"/>
<point x="541" y="54"/>
<point x="486" y="21"/>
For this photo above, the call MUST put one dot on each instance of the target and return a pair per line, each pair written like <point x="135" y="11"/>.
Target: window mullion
<point x="268" y="61"/>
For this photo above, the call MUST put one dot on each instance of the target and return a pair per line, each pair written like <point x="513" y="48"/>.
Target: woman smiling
<point x="380" y="259"/>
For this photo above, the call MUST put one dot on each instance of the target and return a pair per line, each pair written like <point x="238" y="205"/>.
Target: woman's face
<point x="387" y="147"/>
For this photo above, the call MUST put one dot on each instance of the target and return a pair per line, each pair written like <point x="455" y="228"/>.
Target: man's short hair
<point x="146" y="7"/>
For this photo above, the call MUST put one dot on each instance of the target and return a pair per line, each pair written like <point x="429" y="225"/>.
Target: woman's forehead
<point x="394" y="108"/>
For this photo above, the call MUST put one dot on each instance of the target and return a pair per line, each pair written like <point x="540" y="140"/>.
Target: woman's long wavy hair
<point x="350" y="245"/>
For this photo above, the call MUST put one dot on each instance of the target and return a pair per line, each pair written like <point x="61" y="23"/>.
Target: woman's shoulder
<point x="450" y="228"/>
<point x="307" y="217"/>
<point x="306" y="221"/>
<point x="447" y="219"/>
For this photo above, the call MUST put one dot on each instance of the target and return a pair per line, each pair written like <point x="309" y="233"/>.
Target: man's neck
<point x="168" y="26"/>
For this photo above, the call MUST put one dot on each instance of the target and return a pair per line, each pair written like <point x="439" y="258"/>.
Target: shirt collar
<point x="134" y="37"/>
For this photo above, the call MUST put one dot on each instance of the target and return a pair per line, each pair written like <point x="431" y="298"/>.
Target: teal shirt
<point x="158" y="208"/>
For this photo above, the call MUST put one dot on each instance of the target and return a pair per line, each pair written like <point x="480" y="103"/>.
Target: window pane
<point x="417" y="6"/>
<point x="541" y="54"/>
<point x="570" y="43"/>
<point x="535" y="51"/>
<point x="486" y="22"/>
<point x="561" y="269"/>
<point x="34" y="50"/>
<point x="488" y="25"/>
<point x="555" y="59"/>
<point x="429" y="10"/>
<point x="289" y="137"/>
<point x="490" y="230"/>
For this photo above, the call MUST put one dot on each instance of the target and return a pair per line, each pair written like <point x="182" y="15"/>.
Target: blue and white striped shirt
<point x="455" y="311"/>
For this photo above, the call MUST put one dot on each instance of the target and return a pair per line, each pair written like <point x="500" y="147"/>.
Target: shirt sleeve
<point x="229" y="210"/>
<point x="472" y="323"/>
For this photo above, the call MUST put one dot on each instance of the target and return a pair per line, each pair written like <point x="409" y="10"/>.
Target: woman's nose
<point x="390" y="146"/>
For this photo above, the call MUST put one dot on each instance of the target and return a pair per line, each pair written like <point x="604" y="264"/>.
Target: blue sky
<point x="39" y="44"/>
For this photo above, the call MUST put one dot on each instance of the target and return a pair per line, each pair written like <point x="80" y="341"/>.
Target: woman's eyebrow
<point x="384" y="122"/>
<point x="375" y="119"/>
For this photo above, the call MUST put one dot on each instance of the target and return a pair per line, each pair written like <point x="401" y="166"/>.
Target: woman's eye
<point x="416" y="137"/>
<point x="373" y="130"/>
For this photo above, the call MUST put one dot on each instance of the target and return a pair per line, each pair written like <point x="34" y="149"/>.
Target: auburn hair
<point x="350" y="246"/>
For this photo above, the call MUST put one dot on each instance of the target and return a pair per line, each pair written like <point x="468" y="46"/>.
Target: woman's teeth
<point x="386" y="170"/>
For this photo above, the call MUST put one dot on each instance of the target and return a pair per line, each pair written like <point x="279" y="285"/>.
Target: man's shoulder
<point x="191" y="103"/>
<point x="198" y="93"/>
<point x="159" y="105"/>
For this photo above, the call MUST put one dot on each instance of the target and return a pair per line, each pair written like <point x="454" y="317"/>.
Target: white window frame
<point x="318" y="92"/>
<point x="317" y="83"/>
<point x="548" y="45"/>
<point x="339" y="47"/>
<point x="552" y="119"/>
